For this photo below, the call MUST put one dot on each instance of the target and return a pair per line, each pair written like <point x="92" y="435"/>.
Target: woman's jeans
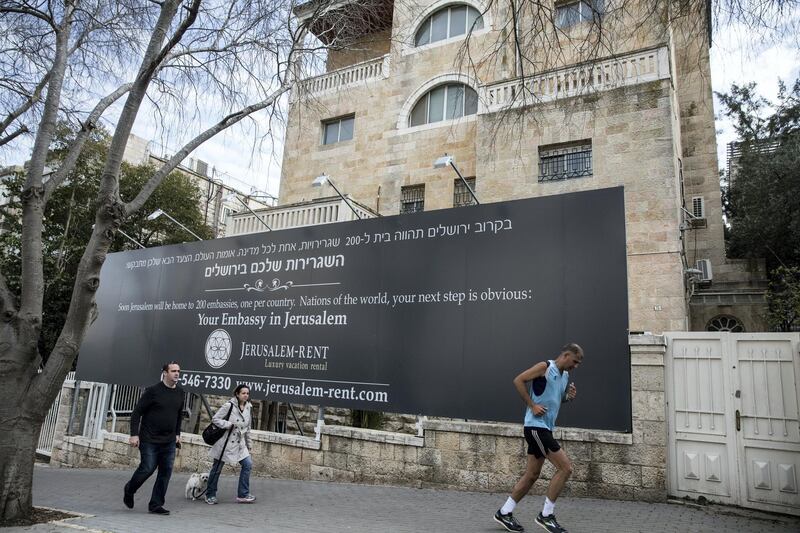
<point x="244" y="478"/>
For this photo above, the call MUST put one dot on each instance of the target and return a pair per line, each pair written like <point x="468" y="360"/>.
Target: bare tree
<point x="72" y="60"/>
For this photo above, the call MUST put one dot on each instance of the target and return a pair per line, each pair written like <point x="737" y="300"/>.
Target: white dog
<point x="196" y="486"/>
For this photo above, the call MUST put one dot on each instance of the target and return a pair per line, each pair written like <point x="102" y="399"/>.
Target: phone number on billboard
<point x="209" y="382"/>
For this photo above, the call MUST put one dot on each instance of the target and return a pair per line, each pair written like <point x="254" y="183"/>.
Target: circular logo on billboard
<point x="218" y="348"/>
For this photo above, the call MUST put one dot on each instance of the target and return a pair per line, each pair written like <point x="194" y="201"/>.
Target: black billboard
<point x="432" y="313"/>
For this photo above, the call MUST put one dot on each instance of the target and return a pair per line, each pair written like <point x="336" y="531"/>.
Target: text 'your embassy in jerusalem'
<point x="283" y="320"/>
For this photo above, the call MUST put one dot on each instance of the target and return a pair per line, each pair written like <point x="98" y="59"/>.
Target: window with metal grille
<point x="725" y="323"/>
<point x="338" y="130"/>
<point x="413" y="199"/>
<point x="461" y="195"/>
<point x="565" y="161"/>
<point x="698" y="207"/>
<point x="574" y="12"/>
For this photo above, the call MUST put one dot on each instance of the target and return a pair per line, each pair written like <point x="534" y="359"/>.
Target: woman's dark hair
<point x="239" y="388"/>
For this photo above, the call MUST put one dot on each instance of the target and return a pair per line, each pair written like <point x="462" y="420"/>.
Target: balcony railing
<point x="322" y="211"/>
<point x="631" y="69"/>
<point x="347" y="77"/>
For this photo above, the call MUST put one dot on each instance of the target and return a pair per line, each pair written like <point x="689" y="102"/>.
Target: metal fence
<point x="104" y="402"/>
<point x="45" y="444"/>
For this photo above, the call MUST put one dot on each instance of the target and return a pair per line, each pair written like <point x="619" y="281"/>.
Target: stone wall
<point x="477" y="456"/>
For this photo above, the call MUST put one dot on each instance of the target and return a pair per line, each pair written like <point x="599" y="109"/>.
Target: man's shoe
<point x="247" y="499"/>
<point x="211" y="500"/>
<point x="127" y="497"/>
<point x="550" y="524"/>
<point x="159" y="510"/>
<point x="508" y="521"/>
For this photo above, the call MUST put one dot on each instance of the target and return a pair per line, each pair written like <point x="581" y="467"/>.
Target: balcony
<point x="621" y="71"/>
<point x="345" y="78"/>
<point x="321" y="211"/>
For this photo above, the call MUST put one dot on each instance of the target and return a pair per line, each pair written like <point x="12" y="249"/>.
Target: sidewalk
<point x="306" y="506"/>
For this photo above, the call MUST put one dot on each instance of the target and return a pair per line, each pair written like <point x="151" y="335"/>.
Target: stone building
<point x="634" y="110"/>
<point x="218" y="196"/>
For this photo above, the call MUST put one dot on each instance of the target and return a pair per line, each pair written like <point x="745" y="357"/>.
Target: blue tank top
<point x="548" y="391"/>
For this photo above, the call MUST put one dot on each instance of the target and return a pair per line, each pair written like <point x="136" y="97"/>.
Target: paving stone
<point x="291" y="506"/>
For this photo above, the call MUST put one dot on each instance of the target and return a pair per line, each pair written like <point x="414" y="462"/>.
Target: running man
<point x="544" y="388"/>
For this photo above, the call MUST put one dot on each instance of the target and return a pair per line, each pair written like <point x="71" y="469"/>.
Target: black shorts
<point x="540" y="442"/>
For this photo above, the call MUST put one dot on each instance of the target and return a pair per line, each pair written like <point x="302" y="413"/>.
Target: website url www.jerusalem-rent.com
<point x="263" y="387"/>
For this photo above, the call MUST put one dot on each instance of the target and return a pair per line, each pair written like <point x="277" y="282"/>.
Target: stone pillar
<point x="649" y="415"/>
<point x="62" y="419"/>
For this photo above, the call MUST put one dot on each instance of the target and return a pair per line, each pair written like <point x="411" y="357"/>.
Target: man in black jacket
<point x="156" y="430"/>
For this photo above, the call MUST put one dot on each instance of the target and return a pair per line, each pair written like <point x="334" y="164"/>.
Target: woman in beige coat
<point x="234" y="446"/>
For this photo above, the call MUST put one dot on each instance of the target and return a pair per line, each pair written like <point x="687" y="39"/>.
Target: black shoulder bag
<point x="213" y="433"/>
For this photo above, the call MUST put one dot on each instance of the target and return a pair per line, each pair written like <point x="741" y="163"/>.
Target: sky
<point x="248" y="161"/>
<point x="735" y="58"/>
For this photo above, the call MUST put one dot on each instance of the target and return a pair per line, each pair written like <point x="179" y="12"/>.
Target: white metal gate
<point x="45" y="444"/>
<point x="733" y="409"/>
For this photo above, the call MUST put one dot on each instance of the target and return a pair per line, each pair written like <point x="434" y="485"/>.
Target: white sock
<point x="508" y="507"/>
<point x="549" y="507"/>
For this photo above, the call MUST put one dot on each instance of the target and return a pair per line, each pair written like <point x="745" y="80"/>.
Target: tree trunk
<point x="18" y="439"/>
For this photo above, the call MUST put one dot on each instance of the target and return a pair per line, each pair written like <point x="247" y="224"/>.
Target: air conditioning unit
<point x="704" y="266"/>
<point x="698" y="223"/>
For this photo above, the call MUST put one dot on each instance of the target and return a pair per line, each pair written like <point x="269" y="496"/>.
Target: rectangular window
<point x="436" y="105"/>
<point x="458" y="20"/>
<point x="461" y="195"/>
<point x="419" y="115"/>
<point x="471" y="103"/>
<point x="439" y="26"/>
<point x="573" y="12"/>
<point x="412" y="199"/>
<point x="455" y="102"/>
<point x="698" y="207"/>
<point x="338" y="130"/>
<point x="565" y="161"/>
<point x="423" y="35"/>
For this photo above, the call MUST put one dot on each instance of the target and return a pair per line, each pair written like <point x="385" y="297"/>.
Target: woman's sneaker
<point x="508" y="521"/>
<point x="550" y="524"/>
<point x="211" y="500"/>
<point x="247" y="499"/>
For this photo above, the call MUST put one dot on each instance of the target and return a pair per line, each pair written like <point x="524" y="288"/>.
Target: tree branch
<point x="27" y="104"/>
<point x="228" y="121"/>
<point x="11" y="136"/>
<point x="68" y="164"/>
<point x="36" y="94"/>
<point x="31" y="12"/>
<point x="109" y="181"/>
<point x="174" y="40"/>
<point x="32" y="204"/>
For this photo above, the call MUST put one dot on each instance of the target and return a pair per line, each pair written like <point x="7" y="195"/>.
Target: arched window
<point x="447" y="22"/>
<point x="725" y="323"/>
<point x="445" y="102"/>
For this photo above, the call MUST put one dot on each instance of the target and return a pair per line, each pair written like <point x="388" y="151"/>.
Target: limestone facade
<point x="644" y="105"/>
